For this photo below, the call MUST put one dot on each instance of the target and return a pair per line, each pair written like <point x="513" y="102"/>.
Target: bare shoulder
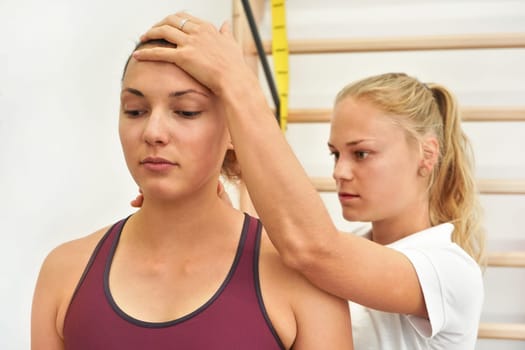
<point x="59" y="274"/>
<point x="300" y="311"/>
<point x="287" y="281"/>
<point x="70" y="256"/>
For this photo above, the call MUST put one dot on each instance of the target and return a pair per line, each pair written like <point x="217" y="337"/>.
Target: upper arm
<point x="323" y="320"/>
<point x="365" y="272"/>
<point x="46" y="301"/>
<point x="56" y="283"/>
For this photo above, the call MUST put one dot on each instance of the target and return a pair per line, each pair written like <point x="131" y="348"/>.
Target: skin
<point x="174" y="138"/>
<point x="300" y="227"/>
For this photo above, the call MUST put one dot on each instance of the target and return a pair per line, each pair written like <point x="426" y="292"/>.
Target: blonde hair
<point x="423" y="109"/>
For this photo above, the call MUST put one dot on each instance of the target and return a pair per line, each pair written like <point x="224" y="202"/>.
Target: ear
<point x="429" y="155"/>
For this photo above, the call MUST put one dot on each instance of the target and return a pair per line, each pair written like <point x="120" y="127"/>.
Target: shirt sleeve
<point x="452" y="287"/>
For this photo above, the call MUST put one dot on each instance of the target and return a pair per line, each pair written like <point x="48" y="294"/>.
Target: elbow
<point x="304" y="256"/>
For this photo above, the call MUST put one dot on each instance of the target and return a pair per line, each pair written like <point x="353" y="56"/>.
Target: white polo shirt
<point x="452" y="285"/>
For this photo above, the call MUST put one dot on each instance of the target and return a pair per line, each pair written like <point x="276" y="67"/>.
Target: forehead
<point x="359" y="113"/>
<point x="158" y="75"/>
<point x="360" y="119"/>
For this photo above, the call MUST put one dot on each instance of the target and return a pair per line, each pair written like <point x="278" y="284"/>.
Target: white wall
<point x="62" y="174"/>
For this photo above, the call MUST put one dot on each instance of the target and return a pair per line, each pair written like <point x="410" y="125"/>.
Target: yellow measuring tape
<point x="280" y="57"/>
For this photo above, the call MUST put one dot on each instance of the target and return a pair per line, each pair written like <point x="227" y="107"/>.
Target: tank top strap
<point x="252" y="233"/>
<point x="247" y="260"/>
<point x="96" y="265"/>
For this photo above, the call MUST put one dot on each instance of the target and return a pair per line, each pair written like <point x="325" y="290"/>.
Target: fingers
<point x="174" y="28"/>
<point x="175" y="19"/>
<point x="163" y="54"/>
<point x="221" y="192"/>
<point x="182" y="21"/>
<point x="137" y="202"/>
<point x="226" y="28"/>
<point x="166" y="54"/>
<point x="192" y="19"/>
<point x="220" y="188"/>
<point x="166" y="32"/>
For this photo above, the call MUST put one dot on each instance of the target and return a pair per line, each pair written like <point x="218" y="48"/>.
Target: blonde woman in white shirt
<point x="401" y="162"/>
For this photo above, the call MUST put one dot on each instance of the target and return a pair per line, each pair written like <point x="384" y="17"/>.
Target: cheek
<point x="205" y="143"/>
<point x="129" y="139"/>
<point x="124" y="134"/>
<point x="380" y="177"/>
<point x="392" y="183"/>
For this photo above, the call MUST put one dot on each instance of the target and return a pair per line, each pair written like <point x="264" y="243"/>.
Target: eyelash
<point x="361" y="152"/>
<point x="188" y="114"/>
<point x="360" y="155"/>
<point x="334" y="154"/>
<point x="132" y="113"/>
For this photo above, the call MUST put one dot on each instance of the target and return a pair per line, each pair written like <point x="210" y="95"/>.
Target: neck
<point x="184" y="223"/>
<point x="392" y="229"/>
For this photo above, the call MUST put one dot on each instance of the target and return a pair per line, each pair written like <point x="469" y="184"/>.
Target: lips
<point x="157" y="164"/>
<point x="345" y="196"/>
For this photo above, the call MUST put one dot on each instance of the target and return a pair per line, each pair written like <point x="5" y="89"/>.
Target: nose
<point x="156" y="129"/>
<point x="343" y="170"/>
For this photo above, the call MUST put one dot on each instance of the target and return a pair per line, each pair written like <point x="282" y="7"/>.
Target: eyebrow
<point x="350" y="143"/>
<point x="171" y="94"/>
<point x="189" y="91"/>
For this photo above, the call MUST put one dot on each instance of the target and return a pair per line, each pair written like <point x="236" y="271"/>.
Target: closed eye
<point x="188" y="114"/>
<point x="134" y="113"/>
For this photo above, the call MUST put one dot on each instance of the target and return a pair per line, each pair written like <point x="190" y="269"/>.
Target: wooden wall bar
<point x="424" y="43"/>
<point x="469" y="114"/>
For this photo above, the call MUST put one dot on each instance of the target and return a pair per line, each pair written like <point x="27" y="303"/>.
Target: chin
<point x="355" y="216"/>
<point x="350" y="216"/>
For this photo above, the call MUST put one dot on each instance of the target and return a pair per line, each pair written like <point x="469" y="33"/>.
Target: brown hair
<point x="431" y="108"/>
<point x="230" y="167"/>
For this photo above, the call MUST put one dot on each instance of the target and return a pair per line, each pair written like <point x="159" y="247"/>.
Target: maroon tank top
<point x="234" y="318"/>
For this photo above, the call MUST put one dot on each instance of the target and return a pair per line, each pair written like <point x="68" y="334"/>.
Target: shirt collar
<point x="432" y="236"/>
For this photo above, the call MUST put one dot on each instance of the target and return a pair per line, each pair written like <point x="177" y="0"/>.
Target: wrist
<point x="237" y="83"/>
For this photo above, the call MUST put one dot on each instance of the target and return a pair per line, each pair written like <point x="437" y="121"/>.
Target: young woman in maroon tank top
<point x="171" y="264"/>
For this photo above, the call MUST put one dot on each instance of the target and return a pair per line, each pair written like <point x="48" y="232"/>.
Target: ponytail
<point x="453" y="193"/>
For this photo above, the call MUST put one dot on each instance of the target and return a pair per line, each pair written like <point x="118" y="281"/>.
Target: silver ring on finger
<point x="182" y="23"/>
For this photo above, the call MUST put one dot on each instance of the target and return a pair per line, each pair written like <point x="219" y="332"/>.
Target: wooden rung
<point x="434" y="42"/>
<point x="506" y="259"/>
<point x="471" y="114"/>
<point x="485" y="186"/>
<point x="309" y="115"/>
<point x="511" y="331"/>
<point x="493" y="114"/>
<point x="500" y="186"/>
